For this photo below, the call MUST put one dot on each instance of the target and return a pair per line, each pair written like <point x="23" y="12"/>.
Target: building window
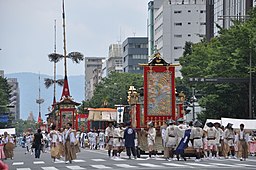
<point x="178" y="24"/>
<point x="177" y="35"/>
<point x="177" y="12"/>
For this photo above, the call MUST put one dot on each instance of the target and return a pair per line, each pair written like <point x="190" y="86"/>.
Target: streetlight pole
<point x="250" y="88"/>
<point x="193" y="104"/>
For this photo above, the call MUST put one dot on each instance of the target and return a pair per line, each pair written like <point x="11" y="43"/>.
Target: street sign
<point x="219" y="80"/>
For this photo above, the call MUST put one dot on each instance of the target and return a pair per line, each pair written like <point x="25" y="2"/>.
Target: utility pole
<point x="250" y="88"/>
<point x="193" y="100"/>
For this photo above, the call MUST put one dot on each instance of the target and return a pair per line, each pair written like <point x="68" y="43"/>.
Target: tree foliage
<point x="113" y="89"/>
<point x="5" y="90"/>
<point x="225" y="56"/>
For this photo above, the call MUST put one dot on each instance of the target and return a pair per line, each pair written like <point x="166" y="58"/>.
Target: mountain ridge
<point x="29" y="92"/>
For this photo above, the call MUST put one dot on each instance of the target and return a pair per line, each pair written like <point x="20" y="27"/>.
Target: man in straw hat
<point x="151" y="138"/>
<point x="109" y="137"/>
<point x="229" y="136"/>
<point x="219" y="139"/>
<point x="70" y="139"/>
<point x="170" y="139"/>
<point x="242" y="143"/>
<point x="211" y="135"/>
<point x="196" y="137"/>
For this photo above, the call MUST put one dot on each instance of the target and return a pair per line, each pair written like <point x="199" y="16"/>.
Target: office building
<point x="91" y="63"/>
<point x="175" y="22"/>
<point x="134" y="52"/>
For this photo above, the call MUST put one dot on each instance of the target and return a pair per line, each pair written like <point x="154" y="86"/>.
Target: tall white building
<point x="175" y="22"/>
<point x="115" y="60"/>
<point x="225" y="11"/>
<point x="91" y="64"/>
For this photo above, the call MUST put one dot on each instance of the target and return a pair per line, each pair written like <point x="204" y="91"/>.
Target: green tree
<point x="113" y="89"/>
<point x="224" y="56"/>
<point x="5" y="91"/>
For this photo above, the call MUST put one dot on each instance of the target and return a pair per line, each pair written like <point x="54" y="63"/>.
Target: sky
<point x="27" y="31"/>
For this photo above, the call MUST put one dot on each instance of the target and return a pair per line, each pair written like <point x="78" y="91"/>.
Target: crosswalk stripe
<point x="219" y="164"/>
<point x="174" y="164"/>
<point x="17" y="163"/>
<point x="98" y="160"/>
<point x="245" y="165"/>
<point x="23" y="169"/>
<point x="198" y="164"/>
<point x="59" y="161"/>
<point x="150" y="165"/>
<point x="49" y="168"/>
<point x="79" y="160"/>
<point x="125" y="166"/>
<point x="100" y="166"/>
<point x="38" y="162"/>
<point x="119" y="159"/>
<point x="75" y="167"/>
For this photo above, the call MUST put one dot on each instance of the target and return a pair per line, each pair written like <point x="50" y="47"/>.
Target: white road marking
<point x="245" y="165"/>
<point x="59" y="161"/>
<point x="75" y="167"/>
<point x="79" y="160"/>
<point x="125" y="166"/>
<point x="38" y="162"/>
<point x="223" y="164"/>
<point x="23" y="169"/>
<point x="100" y="166"/>
<point x="98" y="160"/>
<point x="18" y="163"/>
<point x="150" y="165"/>
<point x="174" y="164"/>
<point x="198" y="164"/>
<point x="49" y="168"/>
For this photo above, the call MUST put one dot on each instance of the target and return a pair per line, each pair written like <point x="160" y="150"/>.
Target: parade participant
<point x="229" y="136"/>
<point x="77" y="142"/>
<point x="109" y="137"/>
<point x="151" y="138"/>
<point x="163" y="132"/>
<point x="211" y="135"/>
<point x="61" y="142"/>
<point x="170" y="140"/>
<point x="116" y="140"/>
<point x="70" y="139"/>
<point x="92" y="136"/>
<point x="54" y="136"/>
<point x="8" y="145"/>
<point x="129" y="139"/>
<point x="2" y="155"/>
<point x="219" y="139"/>
<point x="101" y="140"/>
<point x="180" y="133"/>
<point x="82" y="139"/>
<point x="3" y="166"/>
<point x="28" y="143"/>
<point x="196" y="137"/>
<point x="122" y="146"/>
<point x="242" y="143"/>
<point x="38" y="137"/>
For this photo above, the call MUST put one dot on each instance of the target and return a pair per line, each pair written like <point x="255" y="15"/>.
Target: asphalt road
<point x="98" y="159"/>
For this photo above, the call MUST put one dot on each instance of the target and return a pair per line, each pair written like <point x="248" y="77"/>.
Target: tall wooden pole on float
<point x="64" y="39"/>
